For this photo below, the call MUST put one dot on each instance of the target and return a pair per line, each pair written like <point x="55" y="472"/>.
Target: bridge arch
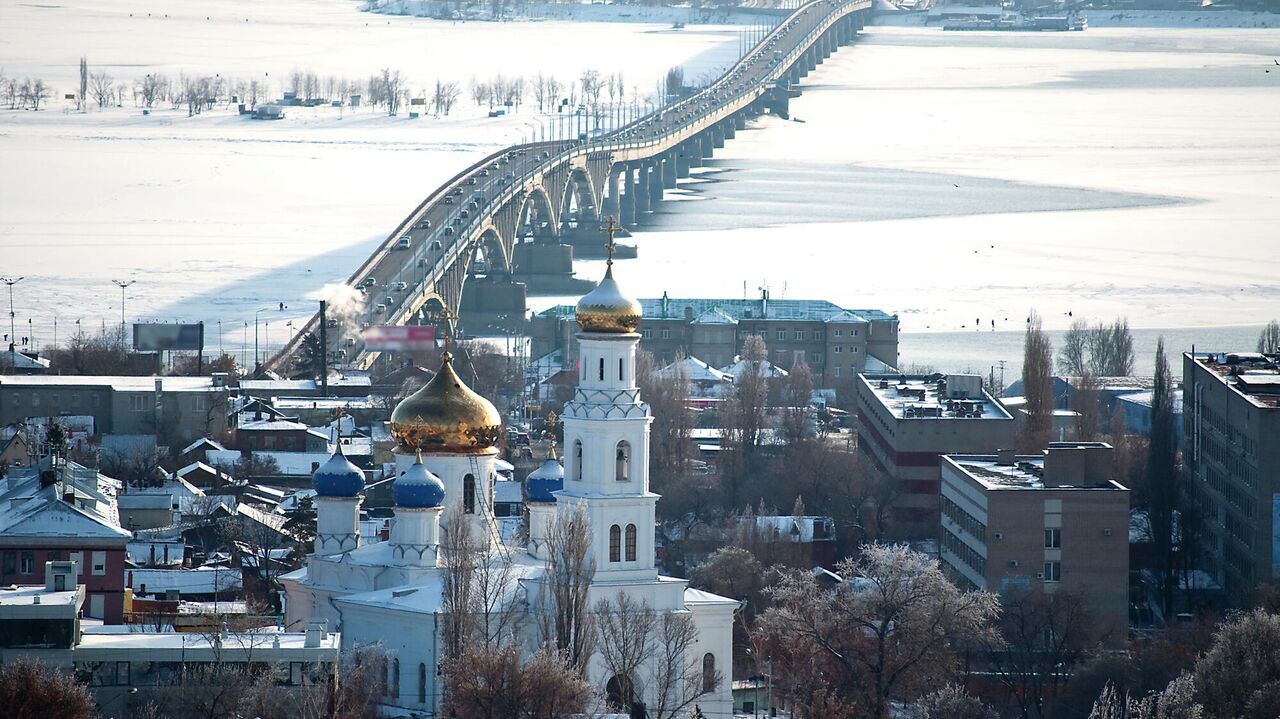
<point x="580" y="202"/>
<point x="536" y="213"/>
<point x="492" y="249"/>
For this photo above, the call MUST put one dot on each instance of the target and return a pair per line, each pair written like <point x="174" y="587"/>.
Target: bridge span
<point x="558" y="187"/>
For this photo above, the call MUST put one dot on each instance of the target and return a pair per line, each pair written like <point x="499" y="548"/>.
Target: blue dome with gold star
<point x="338" y="477"/>
<point x="417" y="488"/>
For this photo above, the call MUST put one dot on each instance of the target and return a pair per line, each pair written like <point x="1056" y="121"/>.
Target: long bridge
<point x="555" y="187"/>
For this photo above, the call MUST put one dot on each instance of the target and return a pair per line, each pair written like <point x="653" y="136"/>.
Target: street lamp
<point x="122" y="284"/>
<point x="11" y="281"/>
<point x="257" y="361"/>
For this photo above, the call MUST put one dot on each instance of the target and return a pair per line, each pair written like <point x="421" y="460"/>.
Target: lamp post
<point x="11" y="281"/>
<point x="122" y="284"/>
<point x="257" y="361"/>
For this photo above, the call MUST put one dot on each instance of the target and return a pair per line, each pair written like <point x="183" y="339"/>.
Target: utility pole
<point x="11" y="281"/>
<point x="122" y="284"/>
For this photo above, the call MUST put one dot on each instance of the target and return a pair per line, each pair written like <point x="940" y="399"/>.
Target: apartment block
<point x="906" y="422"/>
<point x="836" y="343"/>
<point x="1056" y="522"/>
<point x="1231" y="453"/>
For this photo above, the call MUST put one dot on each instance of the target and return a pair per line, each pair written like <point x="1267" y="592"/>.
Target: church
<point x="446" y="434"/>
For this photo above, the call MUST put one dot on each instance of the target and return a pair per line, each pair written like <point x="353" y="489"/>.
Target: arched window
<point x="395" y="678"/>
<point x="709" y="679"/>
<point x="422" y="683"/>
<point x="622" y="471"/>
<point x="601" y="369"/>
<point x="615" y="543"/>
<point x="619" y="693"/>
<point x="577" y="459"/>
<point x="469" y="494"/>
<point x="631" y="542"/>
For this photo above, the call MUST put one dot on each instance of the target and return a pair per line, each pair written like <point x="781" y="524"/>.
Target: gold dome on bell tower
<point x="606" y="309"/>
<point x="446" y="416"/>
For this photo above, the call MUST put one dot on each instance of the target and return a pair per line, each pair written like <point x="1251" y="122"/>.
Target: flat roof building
<point x="836" y="343"/>
<point x="1231" y="451"/>
<point x="1056" y="522"/>
<point x="906" y="422"/>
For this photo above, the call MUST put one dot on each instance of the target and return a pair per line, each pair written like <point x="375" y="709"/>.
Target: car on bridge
<point x="368" y="282"/>
<point x="464" y="214"/>
<point x="471" y="181"/>
<point x="405" y="243"/>
<point x="400" y="287"/>
<point x="380" y="308"/>
<point x="448" y="232"/>
<point x="424" y="224"/>
<point x="448" y="200"/>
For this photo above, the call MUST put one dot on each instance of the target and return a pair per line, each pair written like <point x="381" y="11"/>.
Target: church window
<point x="395" y="678"/>
<point x="631" y="542"/>
<point x="422" y="683"/>
<point x="577" y="459"/>
<point x="708" y="673"/>
<point x="601" y="369"/>
<point x="619" y="693"/>
<point x="615" y="543"/>
<point x="469" y="494"/>
<point x="622" y="471"/>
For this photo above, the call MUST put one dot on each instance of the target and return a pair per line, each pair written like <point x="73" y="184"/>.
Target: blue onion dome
<point x="417" y="488"/>
<point x="544" y="480"/>
<point x="338" y="477"/>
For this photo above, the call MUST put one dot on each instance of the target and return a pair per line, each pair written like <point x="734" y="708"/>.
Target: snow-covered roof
<point x="203" y="442"/>
<point x="714" y="316"/>
<point x="18" y="360"/>
<point x="274" y="521"/>
<point x="508" y="491"/>
<point x="765" y="369"/>
<point x="296" y="463"/>
<point x="118" y="384"/>
<point x="29" y="509"/>
<point x="140" y="552"/>
<point x="698" y="597"/>
<point x="798" y="529"/>
<point x="271" y="425"/>
<point x="205" y="580"/>
<point x="694" y="370"/>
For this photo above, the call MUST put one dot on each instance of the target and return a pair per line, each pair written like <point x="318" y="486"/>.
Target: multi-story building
<point x="60" y="511"/>
<point x="1056" y="522"/>
<point x="178" y="408"/>
<point x="836" y="343"/>
<point x="1231" y="451"/>
<point x="905" y="422"/>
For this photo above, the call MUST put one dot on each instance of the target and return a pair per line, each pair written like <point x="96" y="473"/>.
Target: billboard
<point x="164" y="337"/>
<point x="397" y="338"/>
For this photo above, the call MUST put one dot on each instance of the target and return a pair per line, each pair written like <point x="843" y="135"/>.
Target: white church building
<point x="391" y="592"/>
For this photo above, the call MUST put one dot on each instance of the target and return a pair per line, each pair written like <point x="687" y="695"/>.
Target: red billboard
<point x="399" y="338"/>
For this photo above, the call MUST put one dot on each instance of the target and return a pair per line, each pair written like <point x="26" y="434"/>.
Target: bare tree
<point x="1041" y="639"/>
<point x="82" y="95"/>
<point x="744" y="419"/>
<point x="570" y="569"/>
<point x="796" y="391"/>
<point x="678" y="679"/>
<point x="1269" y="338"/>
<point x="895" y="625"/>
<point x="102" y="87"/>
<point x="1084" y="401"/>
<point x="1073" y="357"/>
<point x="1037" y="385"/>
<point x="34" y="92"/>
<point x="1163" y="479"/>
<point x="481" y="684"/>
<point x="624" y="630"/>
<point x="31" y="690"/>
<point x="950" y="702"/>
<point x="668" y="399"/>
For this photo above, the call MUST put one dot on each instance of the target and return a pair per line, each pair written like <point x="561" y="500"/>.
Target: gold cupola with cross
<point x="446" y="416"/>
<point x="606" y="309"/>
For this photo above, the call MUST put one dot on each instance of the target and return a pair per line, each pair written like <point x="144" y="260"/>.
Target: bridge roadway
<point x="566" y="186"/>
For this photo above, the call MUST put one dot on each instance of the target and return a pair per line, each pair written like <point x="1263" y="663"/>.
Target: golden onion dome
<point x="446" y="416"/>
<point x="607" y="309"/>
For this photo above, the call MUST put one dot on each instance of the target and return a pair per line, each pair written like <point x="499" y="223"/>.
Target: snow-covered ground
<point x="963" y="178"/>
<point x="217" y="216"/>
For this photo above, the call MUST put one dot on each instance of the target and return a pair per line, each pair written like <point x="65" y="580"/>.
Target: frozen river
<point x="957" y="179"/>
<point x="961" y="179"/>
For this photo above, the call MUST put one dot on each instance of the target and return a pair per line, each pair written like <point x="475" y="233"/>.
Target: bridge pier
<point x="717" y="136"/>
<point x="729" y="128"/>
<point x="655" y="184"/>
<point x="642" y="192"/>
<point x="612" y="203"/>
<point x="627" y="213"/>
<point x="682" y="161"/>
<point x="740" y="121"/>
<point x="705" y="140"/>
<point x="669" y="170"/>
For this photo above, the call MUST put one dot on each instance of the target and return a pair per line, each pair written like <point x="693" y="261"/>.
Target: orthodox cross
<point x="610" y="227"/>
<point x="551" y="421"/>
<point x="449" y="318"/>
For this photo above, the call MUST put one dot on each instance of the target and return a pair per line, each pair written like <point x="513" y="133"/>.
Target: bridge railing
<point x="615" y="141"/>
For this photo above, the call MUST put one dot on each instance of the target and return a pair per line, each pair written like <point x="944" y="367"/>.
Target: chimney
<point x="1004" y="457"/>
<point x="1077" y="464"/>
<point x="315" y="633"/>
